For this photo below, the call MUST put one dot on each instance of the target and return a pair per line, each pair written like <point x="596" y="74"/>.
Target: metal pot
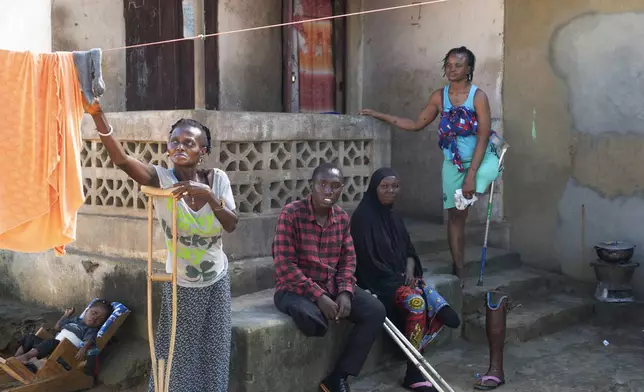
<point x="615" y="251"/>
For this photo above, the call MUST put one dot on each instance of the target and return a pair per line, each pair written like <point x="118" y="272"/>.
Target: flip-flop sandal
<point x="479" y="386"/>
<point x="423" y="386"/>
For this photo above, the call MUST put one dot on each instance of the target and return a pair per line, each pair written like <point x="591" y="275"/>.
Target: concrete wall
<point x="250" y="63"/>
<point x="396" y="65"/>
<point x="574" y="88"/>
<point x="25" y="25"/>
<point x="262" y="154"/>
<point x="87" y="24"/>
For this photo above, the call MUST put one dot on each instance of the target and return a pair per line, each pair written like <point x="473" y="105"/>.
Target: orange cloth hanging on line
<point x="41" y="186"/>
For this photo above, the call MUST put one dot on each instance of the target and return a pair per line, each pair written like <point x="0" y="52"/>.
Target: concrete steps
<point x="261" y="334"/>
<point x="496" y="260"/>
<point x="534" y="318"/>
<point x="256" y="274"/>
<point x="269" y="353"/>
<point x="549" y="304"/>
<point x="543" y="306"/>
<point x="432" y="237"/>
<point x="519" y="283"/>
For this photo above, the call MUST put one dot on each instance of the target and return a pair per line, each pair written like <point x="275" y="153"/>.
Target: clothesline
<point x="204" y="36"/>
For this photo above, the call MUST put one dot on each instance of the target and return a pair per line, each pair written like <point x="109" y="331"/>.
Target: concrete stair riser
<point x="541" y="316"/>
<point x="517" y="283"/>
<point x="496" y="260"/>
<point x="256" y="274"/>
<point x="251" y="275"/>
<point x="262" y="336"/>
<point x="429" y="238"/>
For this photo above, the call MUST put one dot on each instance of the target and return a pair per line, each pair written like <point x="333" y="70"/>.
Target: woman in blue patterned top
<point x="469" y="161"/>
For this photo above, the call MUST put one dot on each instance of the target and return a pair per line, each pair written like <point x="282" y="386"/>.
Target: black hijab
<point x="381" y="242"/>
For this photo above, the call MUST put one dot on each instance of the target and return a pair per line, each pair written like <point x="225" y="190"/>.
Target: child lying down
<point x="80" y="331"/>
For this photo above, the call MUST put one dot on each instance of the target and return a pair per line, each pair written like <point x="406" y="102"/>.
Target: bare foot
<point x="459" y="272"/>
<point x="22" y="358"/>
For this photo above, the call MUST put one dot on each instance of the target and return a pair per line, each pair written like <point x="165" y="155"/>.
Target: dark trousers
<point x="367" y="315"/>
<point x="44" y="346"/>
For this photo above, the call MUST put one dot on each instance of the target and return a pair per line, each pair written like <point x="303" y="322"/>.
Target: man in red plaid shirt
<point x="314" y="267"/>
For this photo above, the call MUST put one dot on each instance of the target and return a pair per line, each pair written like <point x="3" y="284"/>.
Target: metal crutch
<point x="161" y="373"/>
<point x="415" y="357"/>
<point x="503" y="149"/>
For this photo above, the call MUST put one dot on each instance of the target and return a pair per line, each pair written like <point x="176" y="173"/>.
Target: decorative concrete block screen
<point x="268" y="157"/>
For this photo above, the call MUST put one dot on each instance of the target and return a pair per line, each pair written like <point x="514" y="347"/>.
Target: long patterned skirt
<point x="202" y="346"/>
<point x="420" y="304"/>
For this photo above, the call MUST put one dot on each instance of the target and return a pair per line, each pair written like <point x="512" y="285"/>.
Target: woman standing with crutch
<point x="470" y="162"/>
<point x="205" y="207"/>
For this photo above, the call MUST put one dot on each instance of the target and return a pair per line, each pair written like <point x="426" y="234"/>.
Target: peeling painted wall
<point x="395" y="66"/>
<point x="25" y="25"/>
<point x="579" y="65"/>
<point x="87" y="24"/>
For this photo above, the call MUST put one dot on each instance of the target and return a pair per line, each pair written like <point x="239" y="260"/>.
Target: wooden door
<point x="314" y="57"/>
<point x="158" y="77"/>
<point x="211" y="54"/>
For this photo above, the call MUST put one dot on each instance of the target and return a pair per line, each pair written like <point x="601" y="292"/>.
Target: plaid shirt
<point x="312" y="260"/>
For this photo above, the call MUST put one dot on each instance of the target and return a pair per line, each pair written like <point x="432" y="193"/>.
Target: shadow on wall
<point x="130" y="288"/>
<point x="600" y="58"/>
<point x="9" y="287"/>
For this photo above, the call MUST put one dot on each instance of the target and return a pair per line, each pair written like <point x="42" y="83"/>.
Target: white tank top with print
<point x="201" y="260"/>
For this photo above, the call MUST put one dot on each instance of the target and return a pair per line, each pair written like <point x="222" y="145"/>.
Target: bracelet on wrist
<point x="221" y="206"/>
<point x="106" y="134"/>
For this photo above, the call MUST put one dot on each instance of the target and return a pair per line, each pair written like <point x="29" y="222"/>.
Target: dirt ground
<point x="17" y="320"/>
<point x="574" y="360"/>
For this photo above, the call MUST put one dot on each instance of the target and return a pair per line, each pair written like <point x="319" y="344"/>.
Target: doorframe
<point x="290" y="101"/>
<point x="340" y="55"/>
<point x="211" y="54"/>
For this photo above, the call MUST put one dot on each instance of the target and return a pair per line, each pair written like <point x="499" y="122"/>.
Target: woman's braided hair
<point x="196" y="124"/>
<point x="471" y="60"/>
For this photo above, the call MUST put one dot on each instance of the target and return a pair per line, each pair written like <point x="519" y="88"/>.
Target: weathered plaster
<point x="87" y="24"/>
<point x="251" y="62"/>
<point x="601" y="58"/>
<point x="577" y="65"/>
<point x="402" y="60"/>
<point x="605" y="219"/>
<point x="608" y="165"/>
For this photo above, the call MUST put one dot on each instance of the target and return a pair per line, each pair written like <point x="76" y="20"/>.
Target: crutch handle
<point x="157" y="192"/>
<point x="161" y="277"/>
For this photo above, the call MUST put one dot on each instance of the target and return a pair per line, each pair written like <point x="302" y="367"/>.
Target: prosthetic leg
<point x="496" y="309"/>
<point x="161" y="372"/>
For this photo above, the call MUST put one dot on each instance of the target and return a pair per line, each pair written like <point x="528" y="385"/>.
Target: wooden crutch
<point x="161" y="373"/>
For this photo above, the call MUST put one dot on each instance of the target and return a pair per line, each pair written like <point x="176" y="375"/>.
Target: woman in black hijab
<point x="389" y="267"/>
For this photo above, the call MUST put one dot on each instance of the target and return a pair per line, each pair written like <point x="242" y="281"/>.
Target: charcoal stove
<point x="614" y="270"/>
